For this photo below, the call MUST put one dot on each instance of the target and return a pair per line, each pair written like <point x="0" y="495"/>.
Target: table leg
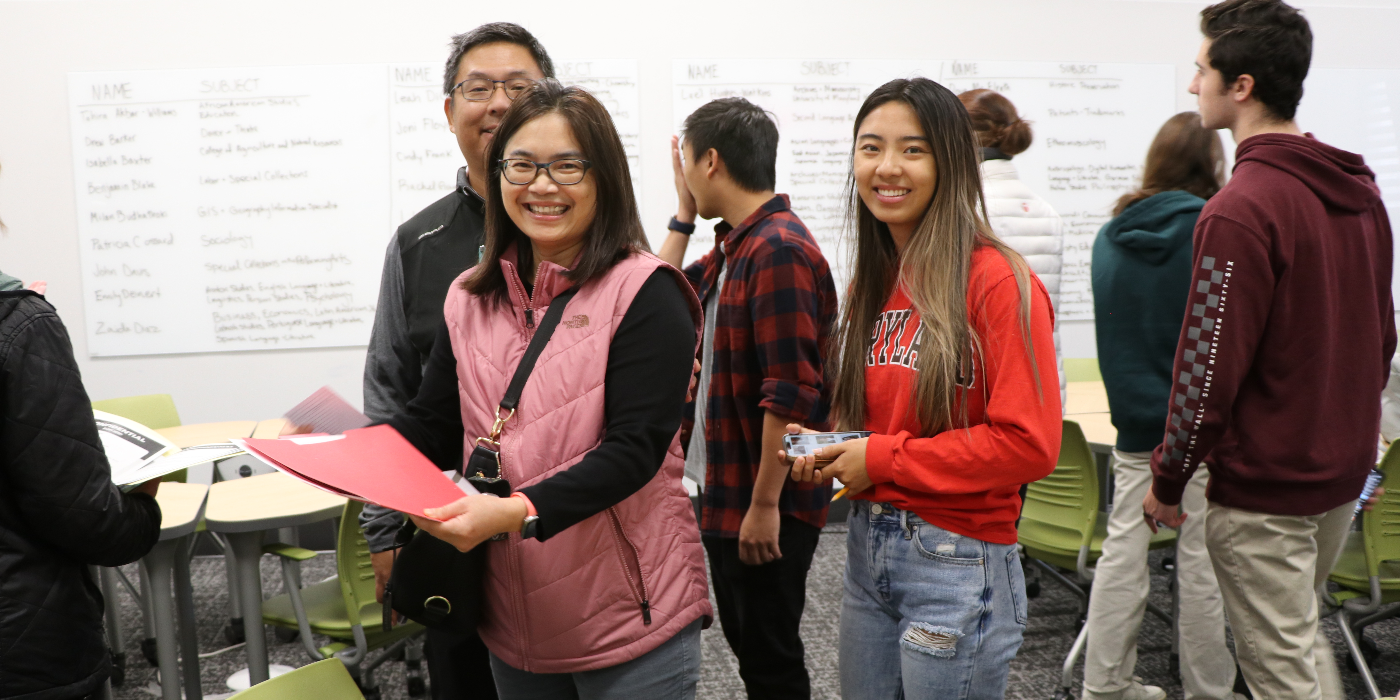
<point x="234" y="630"/>
<point x="158" y="597"/>
<point x="184" y="607"/>
<point x="247" y="552"/>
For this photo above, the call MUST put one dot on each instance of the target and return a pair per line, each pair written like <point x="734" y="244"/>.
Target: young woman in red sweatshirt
<point x="947" y="357"/>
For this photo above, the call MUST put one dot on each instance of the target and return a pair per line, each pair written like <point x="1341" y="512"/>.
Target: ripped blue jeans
<point x="926" y="613"/>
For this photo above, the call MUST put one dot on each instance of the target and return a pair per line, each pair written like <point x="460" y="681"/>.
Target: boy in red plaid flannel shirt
<point x="770" y="303"/>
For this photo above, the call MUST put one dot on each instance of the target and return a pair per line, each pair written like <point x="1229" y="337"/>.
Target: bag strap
<point x="537" y="343"/>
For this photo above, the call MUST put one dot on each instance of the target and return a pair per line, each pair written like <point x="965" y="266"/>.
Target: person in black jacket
<point x="59" y="511"/>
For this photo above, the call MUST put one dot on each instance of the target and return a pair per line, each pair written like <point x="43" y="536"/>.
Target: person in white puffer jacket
<point x="1023" y="220"/>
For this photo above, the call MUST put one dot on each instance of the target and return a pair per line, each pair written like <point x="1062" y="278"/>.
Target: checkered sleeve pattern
<point x="774" y="319"/>
<point x="1226" y="311"/>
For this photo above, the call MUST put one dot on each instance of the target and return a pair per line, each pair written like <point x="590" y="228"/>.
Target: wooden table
<point x="181" y="507"/>
<point x="1098" y="428"/>
<point x="1085" y="397"/>
<point x="1086" y="403"/>
<point x="242" y="510"/>
<point x="204" y="433"/>
<point x="269" y="429"/>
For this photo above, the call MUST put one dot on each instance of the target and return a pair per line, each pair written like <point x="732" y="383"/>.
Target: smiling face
<point x="474" y="123"/>
<point x="554" y="217"/>
<point x="894" y="169"/>
<point x="1213" y="98"/>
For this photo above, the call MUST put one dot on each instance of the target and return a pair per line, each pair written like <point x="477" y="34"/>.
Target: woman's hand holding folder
<point x="471" y="520"/>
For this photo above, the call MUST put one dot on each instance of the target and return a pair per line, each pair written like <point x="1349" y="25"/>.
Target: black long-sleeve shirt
<point x="649" y="368"/>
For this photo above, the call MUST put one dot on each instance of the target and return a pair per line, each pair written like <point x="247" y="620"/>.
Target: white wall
<point x="41" y="42"/>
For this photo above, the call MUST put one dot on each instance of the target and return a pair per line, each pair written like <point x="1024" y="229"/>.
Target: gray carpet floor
<point x="1034" y="674"/>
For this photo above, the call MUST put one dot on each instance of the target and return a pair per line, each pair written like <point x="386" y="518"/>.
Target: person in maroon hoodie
<point x="1283" y="352"/>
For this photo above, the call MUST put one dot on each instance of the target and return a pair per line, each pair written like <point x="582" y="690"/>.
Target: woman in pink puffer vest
<point x="598" y="590"/>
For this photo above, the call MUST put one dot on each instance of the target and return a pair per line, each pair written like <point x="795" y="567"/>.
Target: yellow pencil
<point x="840" y="493"/>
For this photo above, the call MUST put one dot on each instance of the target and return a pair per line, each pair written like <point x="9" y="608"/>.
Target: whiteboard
<point x="1093" y="123"/>
<point x="248" y="208"/>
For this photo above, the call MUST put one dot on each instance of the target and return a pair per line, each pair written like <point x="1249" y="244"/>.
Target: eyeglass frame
<point x="456" y="88"/>
<point x="587" y="165"/>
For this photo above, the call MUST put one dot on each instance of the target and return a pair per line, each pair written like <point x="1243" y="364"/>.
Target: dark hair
<point x="995" y="121"/>
<point x="1266" y="39"/>
<point x="743" y="134"/>
<point x="934" y="268"/>
<point x="492" y="33"/>
<point x="1184" y="156"/>
<point x="616" y="231"/>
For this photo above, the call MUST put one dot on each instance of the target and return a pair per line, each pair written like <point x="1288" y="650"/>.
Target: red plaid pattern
<point x="774" y="319"/>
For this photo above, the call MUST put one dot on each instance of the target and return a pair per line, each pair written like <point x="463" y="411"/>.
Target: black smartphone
<point x="806" y="443"/>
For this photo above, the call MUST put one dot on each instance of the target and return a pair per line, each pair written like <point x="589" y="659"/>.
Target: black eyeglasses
<point x="565" y="171"/>
<point x="481" y="89"/>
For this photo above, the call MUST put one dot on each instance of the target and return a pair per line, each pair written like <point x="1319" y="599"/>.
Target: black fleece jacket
<point x="59" y="512"/>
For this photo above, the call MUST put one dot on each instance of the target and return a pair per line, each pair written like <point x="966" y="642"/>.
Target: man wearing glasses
<point x="489" y="66"/>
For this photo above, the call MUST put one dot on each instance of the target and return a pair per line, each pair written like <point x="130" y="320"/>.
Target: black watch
<point x="531" y="529"/>
<point x="681" y="227"/>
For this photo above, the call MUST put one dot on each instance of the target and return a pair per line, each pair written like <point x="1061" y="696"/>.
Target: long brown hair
<point x="1183" y="156"/>
<point x="996" y="122"/>
<point x="934" y="268"/>
<point x="616" y="231"/>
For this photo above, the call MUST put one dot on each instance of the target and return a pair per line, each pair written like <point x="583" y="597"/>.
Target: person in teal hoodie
<point x="1141" y="277"/>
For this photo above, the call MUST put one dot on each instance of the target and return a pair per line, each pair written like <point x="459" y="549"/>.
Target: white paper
<point x="129" y="446"/>
<point x="183" y="459"/>
<point x="316" y="439"/>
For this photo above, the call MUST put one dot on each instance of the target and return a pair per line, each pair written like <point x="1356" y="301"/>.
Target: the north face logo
<point x="578" y="321"/>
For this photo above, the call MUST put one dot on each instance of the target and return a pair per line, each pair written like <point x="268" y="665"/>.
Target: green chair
<point x="323" y="680"/>
<point x="1368" y="571"/>
<point x="1062" y="530"/>
<point x="342" y="608"/>
<point x="1082" y="369"/>
<point x="154" y="411"/>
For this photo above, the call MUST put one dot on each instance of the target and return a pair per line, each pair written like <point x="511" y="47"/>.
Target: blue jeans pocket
<point x="1017" y="577"/>
<point x="937" y="544"/>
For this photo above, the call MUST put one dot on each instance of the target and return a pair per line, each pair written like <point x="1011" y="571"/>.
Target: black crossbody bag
<point x="433" y="583"/>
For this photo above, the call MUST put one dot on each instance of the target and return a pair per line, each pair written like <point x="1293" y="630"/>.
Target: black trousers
<point x="459" y="667"/>
<point x="760" y="608"/>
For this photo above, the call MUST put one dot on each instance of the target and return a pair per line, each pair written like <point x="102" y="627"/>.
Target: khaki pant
<point x="1270" y="568"/>
<point x="1121" y="585"/>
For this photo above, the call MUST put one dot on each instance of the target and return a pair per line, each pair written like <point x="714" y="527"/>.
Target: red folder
<point x="375" y="465"/>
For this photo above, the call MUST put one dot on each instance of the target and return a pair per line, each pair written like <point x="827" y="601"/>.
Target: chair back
<point x="353" y="565"/>
<point x="1380" y="527"/>
<point x="1067" y="499"/>
<point x="155" y="411"/>
<point x="1082" y="369"/>
<point x="324" y="680"/>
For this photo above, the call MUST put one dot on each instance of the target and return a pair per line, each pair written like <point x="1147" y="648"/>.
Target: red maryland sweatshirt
<point x="965" y="480"/>
<point x="1288" y="334"/>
